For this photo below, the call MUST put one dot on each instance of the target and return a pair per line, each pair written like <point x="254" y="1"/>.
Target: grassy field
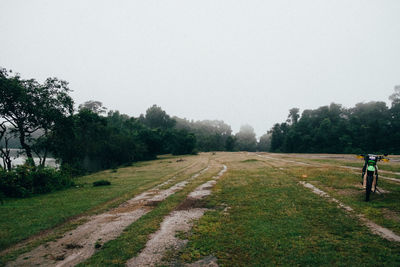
<point x="60" y="211"/>
<point x="259" y="214"/>
<point x="274" y="221"/>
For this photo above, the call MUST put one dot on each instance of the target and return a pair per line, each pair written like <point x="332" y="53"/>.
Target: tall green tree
<point x="29" y="106"/>
<point x="157" y="118"/>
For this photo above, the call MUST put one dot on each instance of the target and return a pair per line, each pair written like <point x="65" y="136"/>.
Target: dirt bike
<point x="369" y="170"/>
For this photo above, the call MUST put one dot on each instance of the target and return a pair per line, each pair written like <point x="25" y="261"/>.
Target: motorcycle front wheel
<point x="370" y="178"/>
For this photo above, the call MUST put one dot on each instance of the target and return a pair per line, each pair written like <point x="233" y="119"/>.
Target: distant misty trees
<point x="246" y="139"/>
<point x="370" y="127"/>
<point x="211" y="135"/>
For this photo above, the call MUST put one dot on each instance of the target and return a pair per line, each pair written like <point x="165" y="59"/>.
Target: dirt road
<point x="81" y="243"/>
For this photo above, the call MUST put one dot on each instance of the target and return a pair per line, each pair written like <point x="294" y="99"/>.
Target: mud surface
<point x="165" y="238"/>
<point x="81" y="243"/>
<point x="375" y="228"/>
<point x="180" y="220"/>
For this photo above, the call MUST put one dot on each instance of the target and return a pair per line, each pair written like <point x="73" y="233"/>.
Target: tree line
<point x="371" y="127"/>
<point x="40" y="120"/>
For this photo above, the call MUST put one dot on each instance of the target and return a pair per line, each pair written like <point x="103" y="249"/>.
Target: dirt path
<point x="180" y="220"/>
<point x="375" y="228"/>
<point x="82" y="242"/>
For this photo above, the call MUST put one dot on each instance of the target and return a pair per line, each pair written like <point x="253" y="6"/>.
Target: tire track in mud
<point x="375" y="228"/>
<point x="180" y="220"/>
<point x="81" y="243"/>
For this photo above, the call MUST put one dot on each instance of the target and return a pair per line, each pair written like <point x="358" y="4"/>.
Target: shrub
<point x="24" y="181"/>
<point x="101" y="183"/>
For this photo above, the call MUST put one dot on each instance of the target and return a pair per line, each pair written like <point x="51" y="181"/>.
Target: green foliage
<point x="25" y="181"/>
<point x="87" y="141"/>
<point x="181" y="142"/>
<point x="101" y="183"/>
<point x="230" y="143"/>
<point x="157" y="118"/>
<point x="368" y="127"/>
<point x="41" y="117"/>
<point x="29" y="106"/>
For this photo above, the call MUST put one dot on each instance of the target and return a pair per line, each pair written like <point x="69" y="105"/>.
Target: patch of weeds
<point x="101" y="183"/>
<point x="170" y="258"/>
<point x="97" y="245"/>
<point x="182" y="235"/>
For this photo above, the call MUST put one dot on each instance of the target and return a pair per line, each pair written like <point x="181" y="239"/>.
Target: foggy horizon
<point x="235" y="61"/>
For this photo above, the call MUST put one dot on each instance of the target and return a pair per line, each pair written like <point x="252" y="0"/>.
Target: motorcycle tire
<point x="368" y="189"/>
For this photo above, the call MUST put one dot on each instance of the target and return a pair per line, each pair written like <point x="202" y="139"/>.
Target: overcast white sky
<point x="237" y="61"/>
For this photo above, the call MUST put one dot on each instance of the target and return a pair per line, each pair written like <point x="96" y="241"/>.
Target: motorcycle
<point x="370" y="172"/>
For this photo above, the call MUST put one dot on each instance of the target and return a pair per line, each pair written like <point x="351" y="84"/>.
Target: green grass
<point x="386" y="166"/>
<point x="274" y="221"/>
<point x="271" y="220"/>
<point x="22" y="218"/>
<point x="133" y="239"/>
<point x="384" y="209"/>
